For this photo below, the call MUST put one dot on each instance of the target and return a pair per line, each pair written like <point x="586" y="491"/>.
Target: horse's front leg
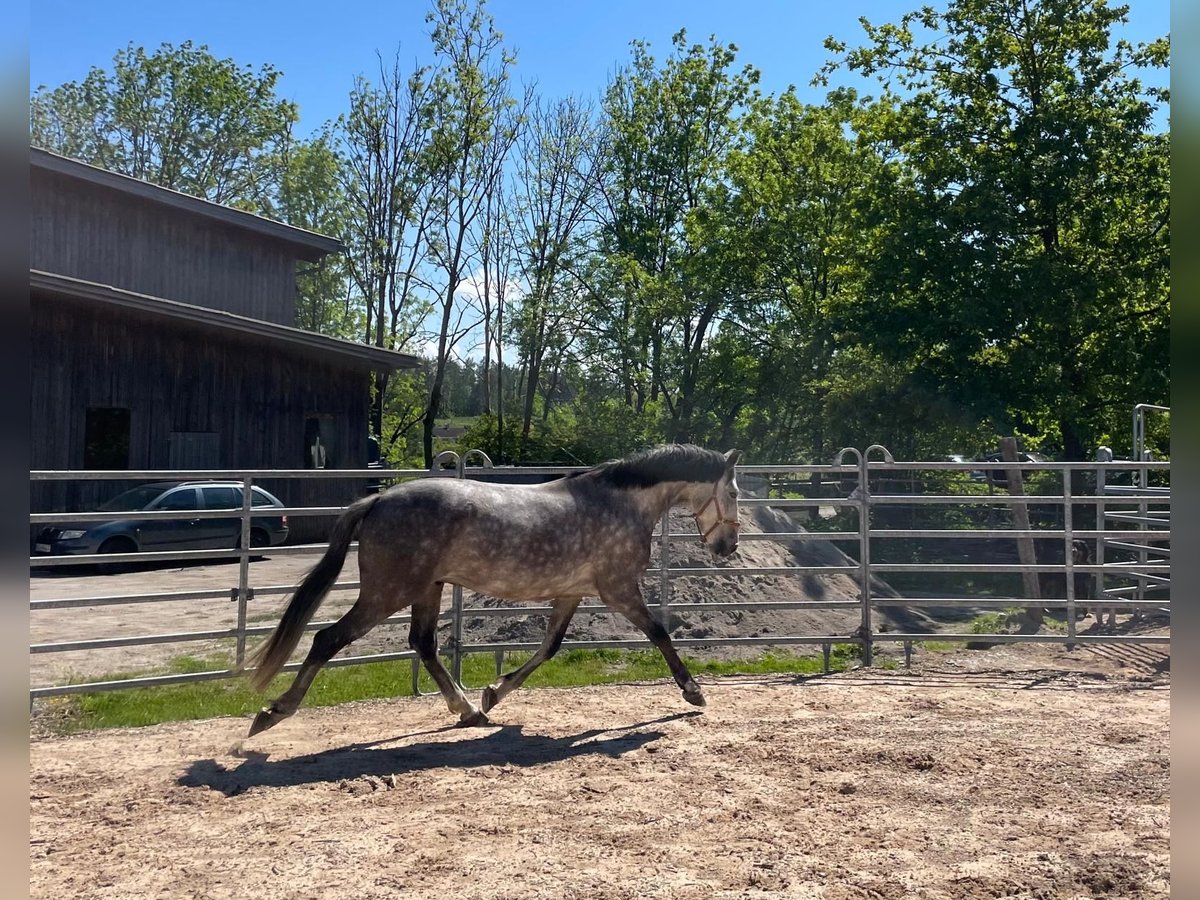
<point x="627" y="599"/>
<point x="564" y="610"/>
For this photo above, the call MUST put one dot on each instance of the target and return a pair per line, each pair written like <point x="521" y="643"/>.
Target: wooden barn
<point x="163" y="337"/>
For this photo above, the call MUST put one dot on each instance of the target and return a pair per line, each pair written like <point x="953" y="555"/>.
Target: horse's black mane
<point x="671" y="462"/>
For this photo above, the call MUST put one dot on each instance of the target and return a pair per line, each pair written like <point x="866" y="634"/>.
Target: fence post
<point x="243" y="571"/>
<point x="865" y="538"/>
<point x="1143" y="513"/>
<point x="1103" y="454"/>
<point x="456" y="607"/>
<point x="664" y="580"/>
<point x="456" y="603"/>
<point x="1069" y="559"/>
<point x="864" y="550"/>
<point x="456" y="596"/>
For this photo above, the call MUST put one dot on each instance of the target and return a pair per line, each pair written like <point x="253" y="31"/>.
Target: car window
<point x="258" y="498"/>
<point x="222" y="498"/>
<point x="138" y="498"/>
<point x="184" y="498"/>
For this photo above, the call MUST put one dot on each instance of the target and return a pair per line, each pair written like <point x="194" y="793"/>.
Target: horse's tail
<point x="270" y="657"/>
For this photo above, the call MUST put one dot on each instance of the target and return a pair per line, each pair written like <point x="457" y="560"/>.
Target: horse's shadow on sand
<point x="505" y="745"/>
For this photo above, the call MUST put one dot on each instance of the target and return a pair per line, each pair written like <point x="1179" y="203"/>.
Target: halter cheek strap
<point x="719" y="520"/>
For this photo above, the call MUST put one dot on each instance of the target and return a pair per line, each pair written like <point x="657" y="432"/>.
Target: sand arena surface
<point x="1011" y="772"/>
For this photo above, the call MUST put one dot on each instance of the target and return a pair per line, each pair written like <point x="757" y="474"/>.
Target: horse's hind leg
<point x="564" y="610"/>
<point x="627" y="600"/>
<point x="422" y="637"/>
<point x="367" y="612"/>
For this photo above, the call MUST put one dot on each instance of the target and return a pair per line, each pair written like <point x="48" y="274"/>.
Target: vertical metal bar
<point x="1140" y="480"/>
<point x="456" y="607"/>
<point x="1069" y="558"/>
<point x="1139" y="423"/>
<point x="243" y="571"/>
<point x="1142" y="554"/>
<point x="864" y="544"/>
<point x="825" y="648"/>
<point x="455" y="642"/>
<point x="1101" y="523"/>
<point x="664" y="580"/>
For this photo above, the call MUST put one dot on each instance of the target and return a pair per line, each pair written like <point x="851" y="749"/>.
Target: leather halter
<point x="720" y="521"/>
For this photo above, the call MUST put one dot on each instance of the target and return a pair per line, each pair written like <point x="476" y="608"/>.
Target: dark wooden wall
<point x="176" y="378"/>
<point x="94" y="233"/>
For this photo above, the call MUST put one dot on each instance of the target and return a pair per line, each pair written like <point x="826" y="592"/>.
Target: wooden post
<point x="1020" y="520"/>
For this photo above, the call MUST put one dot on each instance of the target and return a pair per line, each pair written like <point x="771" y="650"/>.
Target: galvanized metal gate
<point x="1135" y="576"/>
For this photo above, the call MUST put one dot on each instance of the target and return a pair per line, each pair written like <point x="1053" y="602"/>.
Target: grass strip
<point x="136" y="707"/>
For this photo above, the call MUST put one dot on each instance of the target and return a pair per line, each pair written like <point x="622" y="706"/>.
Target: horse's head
<point x="716" y="509"/>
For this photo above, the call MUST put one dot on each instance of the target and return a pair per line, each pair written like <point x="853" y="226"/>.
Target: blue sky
<point x="566" y="46"/>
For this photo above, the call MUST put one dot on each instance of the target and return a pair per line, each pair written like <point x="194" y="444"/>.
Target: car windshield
<point x="137" y="498"/>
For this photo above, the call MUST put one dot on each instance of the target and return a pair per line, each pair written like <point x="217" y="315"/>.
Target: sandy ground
<point x="1024" y="772"/>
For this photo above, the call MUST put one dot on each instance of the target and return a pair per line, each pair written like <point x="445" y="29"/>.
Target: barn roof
<point x="66" y="289"/>
<point x="308" y="244"/>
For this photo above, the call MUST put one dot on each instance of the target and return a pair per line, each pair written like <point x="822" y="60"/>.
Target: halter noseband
<point x="720" y="521"/>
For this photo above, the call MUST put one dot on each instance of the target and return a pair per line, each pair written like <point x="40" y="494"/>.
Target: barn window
<point x="106" y="438"/>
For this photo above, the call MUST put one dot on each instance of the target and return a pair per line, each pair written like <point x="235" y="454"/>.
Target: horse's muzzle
<point x="724" y="547"/>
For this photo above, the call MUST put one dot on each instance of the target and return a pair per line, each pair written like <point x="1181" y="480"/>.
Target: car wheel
<point x="116" y="545"/>
<point x="258" y="538"/>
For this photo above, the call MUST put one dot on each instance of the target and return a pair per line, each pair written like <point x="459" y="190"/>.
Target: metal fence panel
<point x="1141" y="514"/>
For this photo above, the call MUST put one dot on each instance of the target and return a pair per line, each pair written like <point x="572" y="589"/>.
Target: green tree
<point x="781" y="236"/>
<point x="553" y="232"/>
<point x="178" y="117"/>
<point x="474" y="121"/>
<point x="1024" y="275"/>
<point x="381" y="142"/>
<point x="311" y="196"/>
<point x="669" y="131"/>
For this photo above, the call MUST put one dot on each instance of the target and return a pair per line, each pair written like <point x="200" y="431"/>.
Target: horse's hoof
<point x="473" y="720"/>
<point x="489" y="699"/>
<point x="694" y="697"/>
<point x="266" y="718"/>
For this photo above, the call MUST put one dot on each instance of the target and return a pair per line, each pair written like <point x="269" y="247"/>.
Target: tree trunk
<point x="1025" y="549"/>
<point x="439" y="374"/>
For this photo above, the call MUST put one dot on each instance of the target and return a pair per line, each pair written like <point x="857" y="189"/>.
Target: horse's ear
<point x="731" y="458"/>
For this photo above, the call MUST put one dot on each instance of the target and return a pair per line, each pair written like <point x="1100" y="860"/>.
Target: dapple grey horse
<point x="586" y="535"/>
